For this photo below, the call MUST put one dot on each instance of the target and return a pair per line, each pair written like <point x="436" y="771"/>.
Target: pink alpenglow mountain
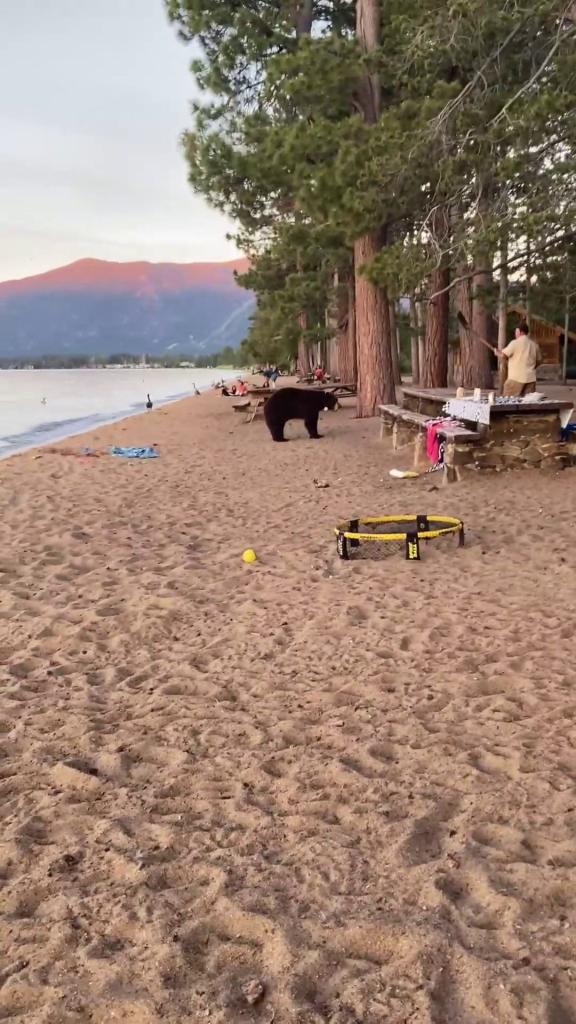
<point x="101" y="307"/>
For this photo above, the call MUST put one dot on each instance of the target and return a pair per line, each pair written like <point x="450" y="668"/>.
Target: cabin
<point x="550" y="338"/>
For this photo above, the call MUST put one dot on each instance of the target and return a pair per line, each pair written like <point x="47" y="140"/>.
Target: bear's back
<point x="294" y="403"/>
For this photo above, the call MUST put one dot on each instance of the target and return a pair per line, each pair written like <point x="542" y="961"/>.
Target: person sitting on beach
<point x="242" y="388"/>
<point x="524" y="358"/>
<point x="224" y="391"/>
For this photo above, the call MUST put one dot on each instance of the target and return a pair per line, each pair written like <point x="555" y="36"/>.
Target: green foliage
<point x="477" y="118"/>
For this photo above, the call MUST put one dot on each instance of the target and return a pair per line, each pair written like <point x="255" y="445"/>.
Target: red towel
<point x="432" y="439"/>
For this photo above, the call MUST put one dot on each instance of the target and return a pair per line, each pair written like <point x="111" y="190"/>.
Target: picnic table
<point x="340" y="389"/>
<point x="431" y="401"/>
<point x="260" y="392"/>
<point x="250" y="407"/>
<point x="496" y="436"/>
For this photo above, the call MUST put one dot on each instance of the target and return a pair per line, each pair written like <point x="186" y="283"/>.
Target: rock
<point x="253" y="991"/>
<point x="488" y="459"/>
<point x="510" y="451"/>
<point x="66" y="775"/>
<point x="532" y="454"/>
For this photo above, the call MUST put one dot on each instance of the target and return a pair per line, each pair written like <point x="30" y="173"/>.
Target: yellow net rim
<point x="451" y="525"/>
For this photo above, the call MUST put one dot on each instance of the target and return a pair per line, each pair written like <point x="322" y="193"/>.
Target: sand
<point x="349" y="784"/>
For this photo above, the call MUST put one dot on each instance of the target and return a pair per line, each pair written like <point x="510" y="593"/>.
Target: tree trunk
<point x="481" y="324"/>
<point x="304" y="360"/>
<point x="334" y="314"/>
<point x="528" y="289"/>
<point x="414" y="353"/>
<point x="434" y="372"/>
<point x="322" y="352"/>
<point x="482" y="283"/>
<point x="397" y="312"/>
<point x="332" y="356"/>
<point x="346" y="337"/>
<point x="303" y="20"/>
<point x="467" y="344"/>
<point x="304" y="354"/>
<point x="421" y="320"/>
<point x="304" y="17"/>
<point x="394" y="343"/>
<point x="368" y="35"/>
<point x="503" y="312"/>
<point x="347" y="365"/>
<point x="373" y="343"/>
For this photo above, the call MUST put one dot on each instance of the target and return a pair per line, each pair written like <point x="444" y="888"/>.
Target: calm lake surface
<point x="43" y="406"/>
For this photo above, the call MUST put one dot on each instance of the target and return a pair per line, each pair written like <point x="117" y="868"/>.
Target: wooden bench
<point x="462" y="435"/>
<point x="242" y="405"/>
<point x="394" y="417"/>
<point x="390" y="415"/>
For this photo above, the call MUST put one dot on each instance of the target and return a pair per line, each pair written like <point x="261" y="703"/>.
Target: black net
<point x="375" y="549"/>
<point x="403" y="527"/>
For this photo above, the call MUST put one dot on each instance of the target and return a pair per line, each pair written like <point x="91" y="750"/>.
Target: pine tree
<point x="420" y="140"/>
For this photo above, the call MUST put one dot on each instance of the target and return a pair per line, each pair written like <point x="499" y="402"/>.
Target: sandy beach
<point x="295" y="792"/>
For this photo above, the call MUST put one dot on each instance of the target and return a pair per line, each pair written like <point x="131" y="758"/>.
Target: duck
<point x="149" y="404"/>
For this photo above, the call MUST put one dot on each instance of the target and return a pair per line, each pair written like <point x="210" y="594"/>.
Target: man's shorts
<point x="514" y="389"/>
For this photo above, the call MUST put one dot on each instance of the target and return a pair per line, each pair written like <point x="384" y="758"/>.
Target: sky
<point x="94" y="95"/>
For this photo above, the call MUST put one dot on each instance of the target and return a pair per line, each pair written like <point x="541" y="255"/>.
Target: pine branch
<point x="454" y="104"/>
<point x="537" y="74"/>
<point x="511" y="262"/>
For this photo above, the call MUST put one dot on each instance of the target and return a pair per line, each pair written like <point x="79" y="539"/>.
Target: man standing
<point x="524" y="357"/>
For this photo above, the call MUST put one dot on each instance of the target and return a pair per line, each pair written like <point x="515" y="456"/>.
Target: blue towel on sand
<point x="135" y="453"/>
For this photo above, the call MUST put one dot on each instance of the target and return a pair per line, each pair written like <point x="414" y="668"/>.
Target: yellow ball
<point x="249" y="556"/>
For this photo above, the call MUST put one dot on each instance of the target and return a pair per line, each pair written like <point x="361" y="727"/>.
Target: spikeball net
<point x="406" y="531"/>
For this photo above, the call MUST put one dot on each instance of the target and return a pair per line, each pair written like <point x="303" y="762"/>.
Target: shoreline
<point x="55" y="432"/>
<point x="351" y="782"/>
<point x="88" y="427"/>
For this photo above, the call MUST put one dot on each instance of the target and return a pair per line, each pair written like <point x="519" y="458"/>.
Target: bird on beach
<point x="149" y="404"/>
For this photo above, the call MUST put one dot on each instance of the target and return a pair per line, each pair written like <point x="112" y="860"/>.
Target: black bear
<point x="296" y="404"/>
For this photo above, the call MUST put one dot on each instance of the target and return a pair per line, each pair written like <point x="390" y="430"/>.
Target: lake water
<point x="43" y="406"/>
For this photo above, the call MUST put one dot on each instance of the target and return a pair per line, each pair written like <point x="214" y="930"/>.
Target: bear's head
<point x="330" y="402"/>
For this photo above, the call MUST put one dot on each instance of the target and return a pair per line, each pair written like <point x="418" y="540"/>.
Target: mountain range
<point x="100" y="307"/>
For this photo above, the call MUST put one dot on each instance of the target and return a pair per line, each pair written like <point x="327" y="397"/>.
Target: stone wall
<point x="511" y="441"/>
